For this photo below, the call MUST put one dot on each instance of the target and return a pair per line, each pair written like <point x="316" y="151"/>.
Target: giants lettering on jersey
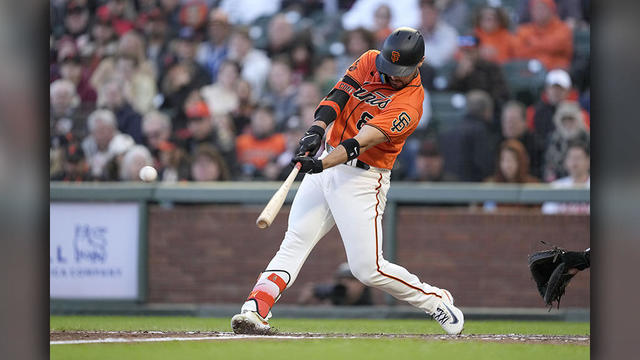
<point x="400" y="122"/>
<point x="375" y="98"/>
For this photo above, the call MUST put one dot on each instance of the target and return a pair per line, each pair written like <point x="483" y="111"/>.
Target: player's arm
<point x="349" y="149"/>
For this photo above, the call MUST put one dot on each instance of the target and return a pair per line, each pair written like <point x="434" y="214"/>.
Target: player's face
<point x="398" y="82"/>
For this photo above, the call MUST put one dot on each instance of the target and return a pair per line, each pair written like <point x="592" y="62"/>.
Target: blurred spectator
<point x="441" y="39"/>
<point x="540" y="116"/>
<point x="344" y="290"/>
<point x="193" y="14"/>
<point x="201" y="128"/>
<point x="361" y="14"/>
<point x="130" y="65"/>
<point x="569" y="127"/>
<point x="280" y="36"/>
<point x="179" y="83"/>
<point x="76" y="19"/>
<point x="430" y="165"/>
<point x="546" y="37"/>
<point x="577" y="165"/>
<point x="135" y="159"/>
<point x="155" y="29"/>
<point x="103" y="41"/>
<point x="381" y="24"/>
<point x="255" y="63"/>
<point x="221" y="97"/>
<point x="514" y="127"/>
<point x="186" y="52"/>
<point x="172" y="10"/>
<point x="118" y="147"/>
<point x="70" y="68"/>
<point x="103" y="127"/>
<point x="513" y="164"/>
<point x="474" y="72"/>
<point x="116" y="9"/>
<point x="246" y="104"/>
<point x="73" y="165"/>
<point x="282" y="94"/>
<point x="326" y="74"/>
<point x="245" y="12"/>
<point x="111" y="96"/>
<point x="491" y="26"/>
<point x="64" y="115"/>
<point x="261" y="145"/>
<point x="570" y="11"/>
<point x="455" y="13"/>
<point x="208" y="165"/>
<point x="156" y="128"/>
<point x="214" y="51"/>
<point x="173" y="163"/>
<point x="469" y="150"/>
<point x="301" y="58"/>
<point x="356" y="42"/>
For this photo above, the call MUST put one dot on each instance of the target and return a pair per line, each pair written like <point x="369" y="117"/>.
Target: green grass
<point x="324" y="349"/>
<point x="392" y="326"/>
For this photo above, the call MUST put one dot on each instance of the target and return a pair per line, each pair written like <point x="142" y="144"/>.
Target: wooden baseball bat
<point x="273" y="206"/>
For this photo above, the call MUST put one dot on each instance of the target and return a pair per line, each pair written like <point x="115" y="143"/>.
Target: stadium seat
<point x="525" y="79"/>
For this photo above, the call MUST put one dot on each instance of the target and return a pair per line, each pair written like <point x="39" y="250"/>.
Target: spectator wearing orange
<point x="491" y="26"/>
<point x="513" y="164"/>
<point x="261" y="145"/>
<point x="546" y="37"/>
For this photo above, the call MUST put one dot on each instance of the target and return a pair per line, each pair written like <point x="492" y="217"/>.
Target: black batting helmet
<point x="401" y="52"/>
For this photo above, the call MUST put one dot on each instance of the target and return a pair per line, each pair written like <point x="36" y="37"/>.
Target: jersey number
<point x="363" y="120"/>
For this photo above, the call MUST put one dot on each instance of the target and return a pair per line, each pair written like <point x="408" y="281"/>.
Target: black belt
<point x="361" y="165"/>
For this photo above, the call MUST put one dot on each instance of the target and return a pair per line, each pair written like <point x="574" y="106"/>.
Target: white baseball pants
<point x="353" y="199"/>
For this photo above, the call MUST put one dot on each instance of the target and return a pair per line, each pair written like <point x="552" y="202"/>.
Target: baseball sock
<point x="264" y="294"/>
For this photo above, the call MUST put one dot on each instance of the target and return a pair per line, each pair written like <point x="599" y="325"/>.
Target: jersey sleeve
<point x="396" y="123"/>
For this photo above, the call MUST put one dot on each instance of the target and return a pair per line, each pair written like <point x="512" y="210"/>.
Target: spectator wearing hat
<point x="440" y="38"/>
<point x="74" y="167"/>
<point x="215" y="50"/>
<point x="430" y="165"/>
<point x="261" y="146"/>
<point x="76" y="19"/>
<point x="469" y="149"/>
<point x="577" y="164"/>
<point x="546" y="37"/>
<point x="255" y="63"/>
<point x="209" y="165"/>
<point x="540" y="115"/>
<point x="491" y="27"/>
<point x="116" y="10"/>
<point x="111" y="96"/>
<point x="474" y="72"/>
<point x="569" y="127"/>
<point x="203" y="128"/>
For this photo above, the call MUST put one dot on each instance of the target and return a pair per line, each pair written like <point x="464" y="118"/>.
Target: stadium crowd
<point x="209" y="90"/>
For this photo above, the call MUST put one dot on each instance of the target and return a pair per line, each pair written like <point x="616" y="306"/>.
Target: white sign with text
<point x="93" y="250"/>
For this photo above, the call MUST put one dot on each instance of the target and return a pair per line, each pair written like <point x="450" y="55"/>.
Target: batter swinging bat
<point x="273" y="206"/>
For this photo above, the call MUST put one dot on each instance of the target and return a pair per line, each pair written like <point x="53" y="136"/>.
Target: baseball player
<point x="373" y="109"/>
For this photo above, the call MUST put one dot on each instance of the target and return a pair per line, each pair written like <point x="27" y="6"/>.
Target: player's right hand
<point x="310" y="141"/>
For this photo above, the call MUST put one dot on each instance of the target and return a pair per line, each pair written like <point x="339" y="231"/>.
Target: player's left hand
<point x="310" y="141"/>
<point x="309" y="164"/>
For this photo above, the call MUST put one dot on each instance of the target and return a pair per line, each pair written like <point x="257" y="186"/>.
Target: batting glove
<point x="310" y="141"/>
<point x="309" y="165"/>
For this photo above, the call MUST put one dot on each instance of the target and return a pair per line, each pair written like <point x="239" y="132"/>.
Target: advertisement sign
<point x="93" y="250"/>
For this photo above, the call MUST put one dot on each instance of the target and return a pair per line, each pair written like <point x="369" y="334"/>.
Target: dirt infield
<point x="80" y="337"/>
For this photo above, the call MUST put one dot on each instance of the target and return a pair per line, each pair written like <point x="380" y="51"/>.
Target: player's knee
<point x="364" y="272"/>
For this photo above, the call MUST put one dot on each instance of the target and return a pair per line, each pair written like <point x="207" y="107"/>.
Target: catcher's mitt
<point x="551" y="271"/>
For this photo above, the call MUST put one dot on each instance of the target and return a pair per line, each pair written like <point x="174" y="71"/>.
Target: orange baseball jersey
<point x="365" y="100"/>
<point x="259" y="152"/>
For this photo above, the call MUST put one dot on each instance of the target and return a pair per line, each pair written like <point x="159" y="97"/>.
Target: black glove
<point x="309" y="165"/>
<point x="550" y="270"/>
<point x="310" y="141"/>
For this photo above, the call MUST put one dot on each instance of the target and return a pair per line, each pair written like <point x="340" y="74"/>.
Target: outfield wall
<point x="197" y="243"/>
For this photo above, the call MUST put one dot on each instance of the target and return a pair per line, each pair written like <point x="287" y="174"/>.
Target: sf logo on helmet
<point x="395" y="56"/>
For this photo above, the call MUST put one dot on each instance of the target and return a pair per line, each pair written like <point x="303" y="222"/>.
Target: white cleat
<point x="448" y="316"/>
<point x="250" y="322"/>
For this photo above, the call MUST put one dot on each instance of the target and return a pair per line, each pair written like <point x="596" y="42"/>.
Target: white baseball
<point x="148" y="173"/>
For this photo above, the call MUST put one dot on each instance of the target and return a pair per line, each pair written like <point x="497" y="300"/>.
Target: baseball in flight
<point x="148" y="174"/>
